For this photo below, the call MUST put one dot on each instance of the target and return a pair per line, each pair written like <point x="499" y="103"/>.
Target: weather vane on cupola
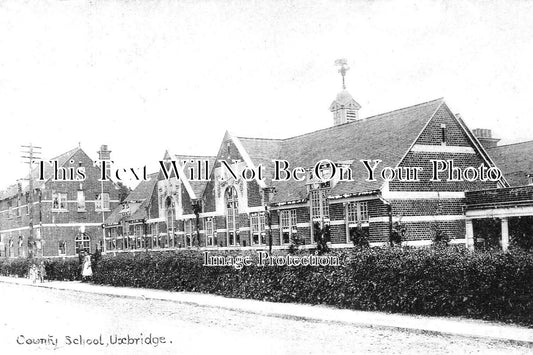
<point x="343" y="64"/>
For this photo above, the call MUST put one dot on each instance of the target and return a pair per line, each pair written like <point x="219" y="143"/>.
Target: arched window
<point x="83" y="242"/>
<point x="232" y="216"/>
<point x="170" y="217"/>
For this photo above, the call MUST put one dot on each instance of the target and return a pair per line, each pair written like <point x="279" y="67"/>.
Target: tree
<point x="123" y="191"/>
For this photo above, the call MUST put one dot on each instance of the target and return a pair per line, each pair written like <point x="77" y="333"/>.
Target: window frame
<point x="288" y="223"/>
<point x="102" y="200"/>
<point x="62" y="198"/>
<point x="210" y="232"/>
<point x="257" y="228"/>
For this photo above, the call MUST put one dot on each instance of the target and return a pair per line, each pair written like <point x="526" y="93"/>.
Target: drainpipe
<point x="196" y="209"/>
<point x="389" y="213"/>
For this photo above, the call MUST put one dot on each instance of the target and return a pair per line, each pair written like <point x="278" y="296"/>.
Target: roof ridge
<point x="262" y="139"/>
<point x="68" y="152"/>
<point x="347" y="123"/>
<point x="365" y="119"/>
<point x="506" y="145"/>
<point x="194" y="155"/>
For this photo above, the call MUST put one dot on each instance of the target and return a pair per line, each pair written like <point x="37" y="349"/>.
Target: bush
<point x="432" y="281"/>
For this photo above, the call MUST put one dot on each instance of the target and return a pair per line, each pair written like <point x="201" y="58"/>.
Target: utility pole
<point x="30" y="152"/>
<point x="104" y="154"/>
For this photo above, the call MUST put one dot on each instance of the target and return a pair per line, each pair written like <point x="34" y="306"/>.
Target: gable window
<point x="59" y="201"/>
<point x="9" y="210"/>
<point x="102" y="202"/>
<point x="357" y="220"/>
<point x="232" y="214"/>
<point x="81" y="201"/>
<point x="288" y="226"/>
<point x="257" y="227"/>
<point x="210" y="237"/>
<point x="443" y="134"/>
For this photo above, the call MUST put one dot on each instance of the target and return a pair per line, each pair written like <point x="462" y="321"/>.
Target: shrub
<point x="431" y="281"/>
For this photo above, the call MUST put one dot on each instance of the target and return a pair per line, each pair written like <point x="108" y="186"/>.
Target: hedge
<point x="432" y="281"/>
<point x="56" y="269"/>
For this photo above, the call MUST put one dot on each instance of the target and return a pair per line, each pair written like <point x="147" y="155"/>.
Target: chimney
<point x="484" y="137"/>
<point x="104" y="153"/>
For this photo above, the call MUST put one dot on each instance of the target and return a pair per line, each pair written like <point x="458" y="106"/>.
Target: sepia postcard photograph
<point x="266" y="177"/>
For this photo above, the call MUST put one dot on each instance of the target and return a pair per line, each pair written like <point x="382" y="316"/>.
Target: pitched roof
<point x="61" y="159"/>
<point x="198" y="186"/>
<point x="514" y="160"/>
<point x="387" y="137"/>
<point x="137" y="202"/>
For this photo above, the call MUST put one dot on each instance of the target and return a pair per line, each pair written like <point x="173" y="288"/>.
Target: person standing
<point x="42" y="271"/>
<point x="87" y="271"/>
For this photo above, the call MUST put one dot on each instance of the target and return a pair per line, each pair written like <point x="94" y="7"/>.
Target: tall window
<point x="188" y="233"/>
<point x="288" y="226"/>
<point x="62" y="248"/>
<point x="102" y="202"/>
<point x="232" y="215"/>
<point x="319" y="204"/>
<point x="357" y="219"/>
<point x="59" y="201"/>
<point x="83" y="242"/>
<point x="18" y="214"/>
<point x="257" y="227"/>
<point x="210" y="237"/>
<point x="81" y="201"/>
<point x="21" y="246"/>
<point x="139" y="231"/>
<point x="443" y="134"/>
<point x="171" y="216"/>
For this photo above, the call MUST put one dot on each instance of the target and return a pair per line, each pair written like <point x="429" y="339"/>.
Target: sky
<point x="148" y="76"/>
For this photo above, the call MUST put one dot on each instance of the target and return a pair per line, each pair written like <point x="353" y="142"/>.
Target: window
<point x="21" y="246"/>
<point x="357" y="212"/>
<point x="170" y="217"/>
<point x="288" y="226"/>
<point x="9" y="210"/>
<point x="81" y="201"/>
<point x="126" y="242"/>
<point x="232" y="214"/>
<point x="139" y="236"/>
<point x="59" y="201"/>
<point x="62" y="248"/>
<point x="257" y="227"/>
<point x="319" y="204"/>
<point x="188" y="233"/>
<point x="210" y="237"/>
<point x="357" y="220"/>
<point x="83" y="242"/>
<point x="443" y="134"/>
<point x="102" y="201"/>
<point x="18" y="210"/>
